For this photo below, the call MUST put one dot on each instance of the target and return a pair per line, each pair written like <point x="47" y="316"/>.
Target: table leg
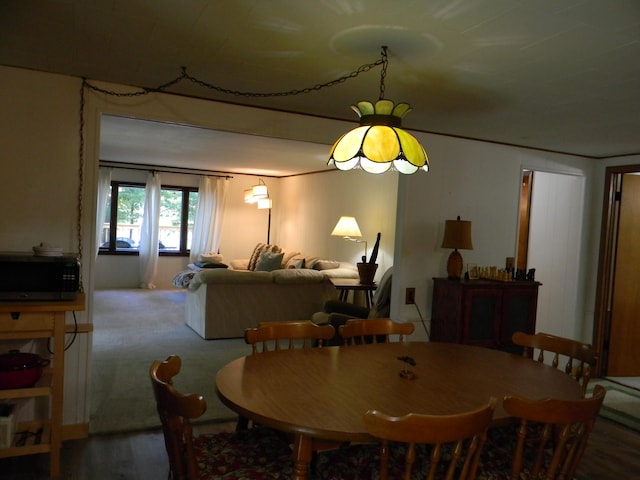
<point x="301" y="457"/>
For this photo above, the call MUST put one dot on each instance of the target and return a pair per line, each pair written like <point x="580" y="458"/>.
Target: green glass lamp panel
<point x="384" y="107"/>
<point x="363" y="108"/>
<point x="401" y="110"/>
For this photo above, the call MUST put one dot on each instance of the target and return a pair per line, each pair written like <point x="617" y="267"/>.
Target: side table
<point x="346" y="285"/>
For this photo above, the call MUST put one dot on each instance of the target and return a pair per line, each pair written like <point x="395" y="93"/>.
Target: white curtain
<point x="207" y="227"/>
<point x="104" y="184"/>
<point x="149" y="231"/>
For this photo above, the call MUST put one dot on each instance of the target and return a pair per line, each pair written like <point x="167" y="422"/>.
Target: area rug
<point x="132" y="328"/>
<point x="621" y="404"/>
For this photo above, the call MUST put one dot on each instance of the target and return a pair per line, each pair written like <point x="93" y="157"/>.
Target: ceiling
<point x="561" y="76"/>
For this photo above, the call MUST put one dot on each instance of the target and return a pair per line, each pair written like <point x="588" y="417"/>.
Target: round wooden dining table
<point x="320" y="394"/>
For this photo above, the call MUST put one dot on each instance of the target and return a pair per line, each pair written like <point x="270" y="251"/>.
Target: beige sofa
<point x="222" y="303"/>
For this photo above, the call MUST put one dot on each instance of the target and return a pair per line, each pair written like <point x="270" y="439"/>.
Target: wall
<point x="480" y="182"/>
<point x="39" y="135"/>
<point x="314" y="203"/>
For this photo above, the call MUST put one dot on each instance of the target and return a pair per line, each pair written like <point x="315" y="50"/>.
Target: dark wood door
<point x="624" y="339"/>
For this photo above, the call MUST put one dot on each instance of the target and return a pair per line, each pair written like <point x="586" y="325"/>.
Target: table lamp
<point x="348" y="228"/>
<point x="457" y="235"/>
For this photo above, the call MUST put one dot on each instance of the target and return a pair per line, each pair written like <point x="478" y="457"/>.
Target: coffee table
<point x="322" y="393"/>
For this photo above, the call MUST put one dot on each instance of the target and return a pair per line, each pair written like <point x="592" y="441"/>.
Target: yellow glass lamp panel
<point x="348" y="145"/>
<point x="381" y="144"/>
<point x="413" y="151"/>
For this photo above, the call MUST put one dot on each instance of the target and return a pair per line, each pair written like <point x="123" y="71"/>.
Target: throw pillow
<point x="255" y="255"/>
<point x="269" y="261"/>
<point x="295" y="262"/>
<point x="261" y="247"/>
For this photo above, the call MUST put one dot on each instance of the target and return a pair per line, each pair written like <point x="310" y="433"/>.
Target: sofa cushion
<point x="211" y="257"/>
<point x="297" y="276"/>
<point x="326" y="265"/>
<point x="269" y="261"/>
<point x="206" y="264"/>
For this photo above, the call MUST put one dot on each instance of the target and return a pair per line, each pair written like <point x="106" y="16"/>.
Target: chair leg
<point x="242" y="424"/>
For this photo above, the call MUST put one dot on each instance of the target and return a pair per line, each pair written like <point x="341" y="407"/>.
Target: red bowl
<point x="20" y="370"/>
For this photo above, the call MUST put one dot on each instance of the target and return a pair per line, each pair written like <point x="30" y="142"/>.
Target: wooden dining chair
<point x="274" y="336"/>
<point x="581" y="357"/>
<point x="373" y="330"/>
<point x="414" y="446"/>
<point x="258" y="453"/>
<point x="548" y="442"/>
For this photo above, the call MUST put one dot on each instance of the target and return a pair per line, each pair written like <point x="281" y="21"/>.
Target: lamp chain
<point x="184" y="75"/>
<point x="383" y="73"/>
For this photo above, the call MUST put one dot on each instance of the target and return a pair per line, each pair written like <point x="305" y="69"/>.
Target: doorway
<point x="549" y="241"/>
<point x="617" y="327"/>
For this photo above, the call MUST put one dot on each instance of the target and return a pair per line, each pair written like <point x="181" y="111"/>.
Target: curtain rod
<point x="161" y="168"/>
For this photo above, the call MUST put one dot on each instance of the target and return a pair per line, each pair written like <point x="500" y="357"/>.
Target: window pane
<point x="129" y="218"/>
<point x="193" y="201"/>
<point x="170" y="215"/>
<point x="106" y="224"/>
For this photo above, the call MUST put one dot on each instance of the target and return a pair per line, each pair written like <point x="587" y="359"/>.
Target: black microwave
<point x="29" y="277"/>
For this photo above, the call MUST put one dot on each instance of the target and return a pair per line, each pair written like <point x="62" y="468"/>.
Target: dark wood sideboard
<point x="483" y="312"/>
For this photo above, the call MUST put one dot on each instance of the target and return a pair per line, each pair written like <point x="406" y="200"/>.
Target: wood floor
<point x="613" y="454"/>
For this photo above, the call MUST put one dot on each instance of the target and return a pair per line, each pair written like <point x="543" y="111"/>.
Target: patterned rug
<point x="621" y="404"/>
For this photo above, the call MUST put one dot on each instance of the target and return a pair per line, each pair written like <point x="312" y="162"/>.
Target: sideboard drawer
<point x="26" y="322"/>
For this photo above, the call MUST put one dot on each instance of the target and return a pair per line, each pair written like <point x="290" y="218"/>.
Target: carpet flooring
<point x="621" y="404"/>
<point x="132" y="328"/>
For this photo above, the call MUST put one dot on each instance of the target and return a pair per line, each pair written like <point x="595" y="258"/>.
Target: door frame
<point x="606" y="261"/>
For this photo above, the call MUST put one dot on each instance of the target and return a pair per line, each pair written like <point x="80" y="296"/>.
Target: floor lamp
<point x="266" y="203"/>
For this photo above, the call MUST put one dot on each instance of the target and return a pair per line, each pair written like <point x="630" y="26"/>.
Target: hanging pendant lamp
<point x="379" y="143"/>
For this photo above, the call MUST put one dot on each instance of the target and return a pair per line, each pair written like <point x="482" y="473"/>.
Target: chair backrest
<point x="285" y="335"/>
<point x="566" y="426"/>
<point x="376" y="330"/>
<point x="581" y="357"/>
<point x="176" y="412"/>
<point x="462" y="436"/>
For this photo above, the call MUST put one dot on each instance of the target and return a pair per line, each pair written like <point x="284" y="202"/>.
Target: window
<point x="121" y="231"/>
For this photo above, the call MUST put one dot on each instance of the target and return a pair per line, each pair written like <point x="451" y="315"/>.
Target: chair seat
<point x="257" y="453"/>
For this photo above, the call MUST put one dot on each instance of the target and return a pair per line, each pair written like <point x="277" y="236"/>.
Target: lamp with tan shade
<point x="457" y="235"/>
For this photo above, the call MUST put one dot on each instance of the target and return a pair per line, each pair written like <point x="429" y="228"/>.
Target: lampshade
<point x="457" y="235"/>
<point x="379" y="143"/>
<point x="259" y="191"/>
<point x="248" y="196"/>
<point x="255" y="193"/>
<point x="346" y="227"/>
<point x="264" y="203"/>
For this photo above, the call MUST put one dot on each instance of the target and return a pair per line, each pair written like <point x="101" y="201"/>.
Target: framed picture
<point x="472" y="270"/>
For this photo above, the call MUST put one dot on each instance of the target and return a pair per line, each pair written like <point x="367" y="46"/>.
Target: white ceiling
<point x="557" y="75"/>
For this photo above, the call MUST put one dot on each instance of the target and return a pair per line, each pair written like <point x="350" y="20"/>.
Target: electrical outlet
<point x="410" y="296"/>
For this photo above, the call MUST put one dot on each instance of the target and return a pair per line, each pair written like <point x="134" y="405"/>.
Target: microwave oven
<point x="29" y="277"/>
